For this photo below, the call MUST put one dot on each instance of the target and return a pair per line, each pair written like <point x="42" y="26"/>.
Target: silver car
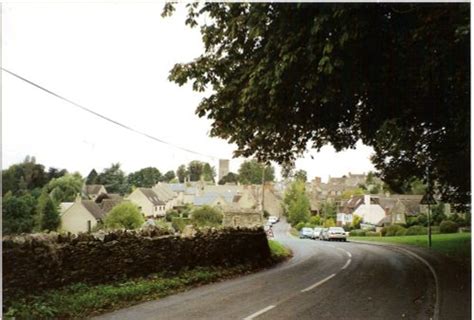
<point x="317" y="233"/>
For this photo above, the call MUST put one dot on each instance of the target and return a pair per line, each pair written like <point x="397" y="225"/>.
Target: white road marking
<point x="256" y="314"/>
<point x="347" y="264"/>
<point x="349" y="254"/>
<point x="318" y="283"/>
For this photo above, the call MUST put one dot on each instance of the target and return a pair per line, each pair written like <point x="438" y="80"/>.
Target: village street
<point x="322" y="281"/>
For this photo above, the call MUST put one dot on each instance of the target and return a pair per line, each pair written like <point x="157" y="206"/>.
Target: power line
<point x="106" y="118"/>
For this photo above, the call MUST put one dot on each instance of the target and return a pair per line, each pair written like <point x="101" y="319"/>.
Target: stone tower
<point x="223" y="168"/>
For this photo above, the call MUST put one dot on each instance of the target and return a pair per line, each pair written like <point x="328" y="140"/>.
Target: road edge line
<point x="419" y="258"/>
<point x="319" y="283"/>
<point x="256" y="314"/>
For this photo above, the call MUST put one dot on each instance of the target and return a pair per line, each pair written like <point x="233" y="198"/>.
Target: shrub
<point x="356" y="220"/>
<point x="309" y="225"/>
<point x="391" y="231"/>
<point x="412" y="221"/>
<point x="178" y="224"/>
<point x="373" y="234"/>
<point x="126" y="215"/>
<point x="416" y="230"/>
<point x="358" y="233"/>
<point x="448" y="227"/>
<point x="401" y="232"/>
<point x="434" y="230"/>
<point x="316" y="220"/>
<point x="207" y="216"/>
<point x="300" y="225"/>
<point x="171" y="214"/>
<point x="329" y="223"/>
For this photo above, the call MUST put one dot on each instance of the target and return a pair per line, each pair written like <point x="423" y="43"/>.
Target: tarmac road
<point x="324" y="280"/>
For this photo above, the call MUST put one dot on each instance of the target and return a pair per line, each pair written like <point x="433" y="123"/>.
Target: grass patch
<point x="82" y="300"/>
<point x="294" y="232"/>
<point x="455" y="245"/>
<point x="279" y="252"/>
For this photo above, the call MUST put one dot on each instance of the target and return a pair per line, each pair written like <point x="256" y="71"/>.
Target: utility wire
<point x="106" y="118"/>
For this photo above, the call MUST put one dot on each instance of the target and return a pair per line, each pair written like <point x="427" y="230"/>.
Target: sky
<point x="114" y="58"/>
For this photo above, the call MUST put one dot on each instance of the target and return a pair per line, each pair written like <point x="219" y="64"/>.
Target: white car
<point x="336" y="233"/>
<point x="273" y="219"/>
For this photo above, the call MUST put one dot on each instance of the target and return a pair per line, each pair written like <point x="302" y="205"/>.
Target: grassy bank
<point x="83" y="300"/>
<point x="455" y="245"/>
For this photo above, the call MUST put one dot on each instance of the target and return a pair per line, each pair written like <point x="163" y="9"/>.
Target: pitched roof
<point x="93" y="188"/>
<point x="63" y="206"/>
<point x="108" y="204"/>
<point x="177" y="187"/>
<point x="93" y="208"/>
<point x="209" y="198"/>
<point x="151" y="196"/>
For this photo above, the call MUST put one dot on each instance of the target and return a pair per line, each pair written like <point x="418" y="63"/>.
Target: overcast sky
<point x="115" y="60"/>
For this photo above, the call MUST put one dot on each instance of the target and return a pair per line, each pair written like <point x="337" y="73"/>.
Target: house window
<point x="89" y="226"/>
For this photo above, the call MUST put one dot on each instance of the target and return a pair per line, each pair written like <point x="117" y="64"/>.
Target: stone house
<point x="81" y="216"/>
<point x="148" y="202"/>
<point x="366" y="207"/>
<point x="242" y="218"/>
<point x="166" y="195"/>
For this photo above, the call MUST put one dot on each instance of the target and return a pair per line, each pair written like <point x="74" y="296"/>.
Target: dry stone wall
<point x="32" y="263"/>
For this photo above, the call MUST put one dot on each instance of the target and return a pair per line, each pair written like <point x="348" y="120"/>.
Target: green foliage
<point x="266" y="214"/>
<point x="208" y="172"/>
<point x="437" y="214"/>
<point x="328" y="209"/>
<point x="49" y="217"/>
<point x="356" y="221"/>
<point x="179" y="223"/>
<point x="125" y="215"/>
<point x="399" y="104"/>
<point x="169" y="176"/>
<point x="373" y="234"/>
<point x="207" y="216"/>
<point x="316" y="220"/>
<point x="18" y="213"/>
<point x="65" y="188"/>
<point x="393" y="230"/>
<point x="145" y="178"/>
<point x="329" y="222"/>
<point x="300" y="225"/>
<point x="301" y="175"/>
<point x="411" y="221"/>
<point x="422" y="220"/>
<point x="358" y="233"/>
<point x="401" y="232"/>
<point x="229" y="178"/>
<point x="250" y="172"/>
<point x="181" y="173"/>
<point x="416" y="230"/>
<point x="24" y="176"/>
<point x="278" y="251"/>
<point x="92" y="177"/>
<point x="172" y="214"/>
<point x="195" y="170"/>
<point x="448" y="227"/>
<point x="296" y="203"/>
<point x="114" y="179"/>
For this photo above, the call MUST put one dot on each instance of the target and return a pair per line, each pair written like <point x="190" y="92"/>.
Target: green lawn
<point x="279" y="252"/>
<point x="456" y="245"/>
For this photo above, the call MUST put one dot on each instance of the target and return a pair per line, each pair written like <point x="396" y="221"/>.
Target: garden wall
<point x="35" y="262"/>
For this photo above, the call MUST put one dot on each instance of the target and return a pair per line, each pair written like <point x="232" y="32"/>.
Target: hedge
<point x="447" y="226"/>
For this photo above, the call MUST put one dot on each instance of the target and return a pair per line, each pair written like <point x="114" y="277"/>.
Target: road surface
<point x="324" y="280"/>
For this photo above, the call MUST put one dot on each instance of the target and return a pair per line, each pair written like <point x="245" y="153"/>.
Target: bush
<point x="124" y="216"/>
<point x="448" y="227"/>
<point x="434" y="230"/>
<point x="391" y="231"/>
<point x="300" y="226"/>
<point x="178" y="224"/>
<point x="309" y="225"/>
<point x="329" y="223"/>
<point x="358" y="233"/>
<point x="411" y="221"/>
<point x="373" y="234"/>
<point x="401" y="232"/>
<point x="356" y="220"/>
<point x="316" y="220"/>
<point x="207" y="216"/>
<point x="416" y="230"/>
<point x="171" y="214"/>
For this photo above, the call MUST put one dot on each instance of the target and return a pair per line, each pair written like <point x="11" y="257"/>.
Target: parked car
<point x="323" y="235"/>
<point x="317" y="232"/>
<point x="336" y="233"/>
<point x="306" y="233"/>
<point x="273" y="219"/>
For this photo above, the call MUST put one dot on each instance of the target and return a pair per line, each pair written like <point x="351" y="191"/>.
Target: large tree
<point x="18" y="213"/>
<point x="181" y="173"/>
<point x="65" y="188"/>
<point x="24" y="176"/>
<point x="283" y="77"/>
<point x="114" y="179"/>
<point x="251" y="171"/>
<point x="146" y="177"/>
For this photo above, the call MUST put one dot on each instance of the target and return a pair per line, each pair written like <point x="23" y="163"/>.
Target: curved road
<point x="324" y="280"/>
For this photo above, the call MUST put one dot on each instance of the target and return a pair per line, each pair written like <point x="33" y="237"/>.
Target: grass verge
<point x="80" y="300"/>
<point x="455" y="245"/>
<point x="279" y="252"/>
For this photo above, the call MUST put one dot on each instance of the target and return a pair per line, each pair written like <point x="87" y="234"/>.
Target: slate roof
<point x="152" y="196"/>
<point x="177" y="187"/>
<point x="93" y="208"/>
<point x="108" y="204"/>
<point x="210" y="197"/>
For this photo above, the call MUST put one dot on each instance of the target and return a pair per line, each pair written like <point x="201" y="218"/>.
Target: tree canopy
<point x="65" y="188"/>
<point x="125" y="215"/>
<point x="250" y="172"/>
<point x="114" y="179"/>
<point x="284" y="77"/>
<point x="146" y="177"/>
